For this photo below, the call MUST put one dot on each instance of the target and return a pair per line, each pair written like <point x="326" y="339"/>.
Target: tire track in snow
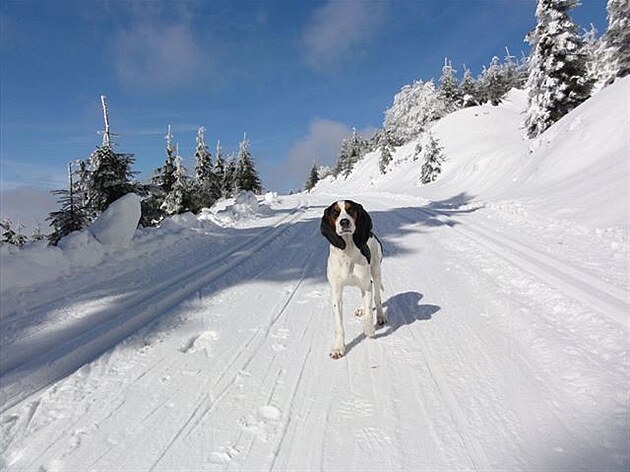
<point x="57" y="358"/>
<point x="599" y="295"/>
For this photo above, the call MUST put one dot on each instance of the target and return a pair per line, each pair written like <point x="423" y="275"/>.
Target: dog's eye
<point x="335" y="213"/>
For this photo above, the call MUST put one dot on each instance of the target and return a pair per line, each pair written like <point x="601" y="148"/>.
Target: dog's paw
<point x="368" y="330"/>
<point x="359" y="312"/>
<point x="381" y="321"/>
<point x="336" y="353"/>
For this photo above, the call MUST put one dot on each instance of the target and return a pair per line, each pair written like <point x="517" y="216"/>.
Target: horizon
<point x="296" y="76"/>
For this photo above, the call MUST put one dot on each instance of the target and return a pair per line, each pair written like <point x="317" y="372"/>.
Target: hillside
<point x="203" y="345"/>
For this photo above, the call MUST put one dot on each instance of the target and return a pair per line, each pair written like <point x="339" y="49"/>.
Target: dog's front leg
<point x="367" y="303"/>
<point x="339" y="346"/>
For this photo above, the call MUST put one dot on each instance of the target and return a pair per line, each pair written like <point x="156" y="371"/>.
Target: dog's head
<point x="346" y="218"/>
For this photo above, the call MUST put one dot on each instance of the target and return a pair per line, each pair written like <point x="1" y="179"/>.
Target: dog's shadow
<point x="401" y="310"/>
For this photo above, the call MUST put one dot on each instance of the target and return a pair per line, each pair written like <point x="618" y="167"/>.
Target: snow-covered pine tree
<point x="352" y="150"/>
<point x="110" y="178"/>
<point x="312" y="179"/>
<point x="178" y="199"/>
<point x="387" y="148"/>
<point x="512" y="76"/>
<point x="206" y="189"/>
<point x="558" y="79"/>
<point x="219" y="168"/>
<point x="433" y="158"/>
<point x="598" y="66"/>
<point x="246" y="177"/>
<point x="37" y="234"/>
<point x="448" y="88"/>
<point x="229" y="177"/>
<point x="107" y="175"/>
<point x="493" y="83"/>
<point x="71" y="215"/>
<point x="11" y="235"/>
<point x="617" y="38"/>
<point x="468" y="89"/>
<point x="161" y="184"/>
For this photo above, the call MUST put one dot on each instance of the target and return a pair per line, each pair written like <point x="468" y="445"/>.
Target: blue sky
<point x="295" y="75"/>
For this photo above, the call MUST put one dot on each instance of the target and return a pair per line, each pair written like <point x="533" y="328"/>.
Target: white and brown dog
<point x="355" y="260"/>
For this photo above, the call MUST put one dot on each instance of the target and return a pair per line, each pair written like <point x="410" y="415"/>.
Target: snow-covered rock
<point x="115" y="227"/>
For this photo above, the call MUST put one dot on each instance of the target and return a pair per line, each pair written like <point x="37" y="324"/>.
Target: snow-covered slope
<point x="204" y="344"/>
<point x="578" y="169"/>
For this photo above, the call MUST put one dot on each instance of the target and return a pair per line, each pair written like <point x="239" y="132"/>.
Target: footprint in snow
<point x="199" y="342"/>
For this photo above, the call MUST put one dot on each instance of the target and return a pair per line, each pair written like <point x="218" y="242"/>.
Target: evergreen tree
<point x="558" y="80"/>
<point x="433" y="158"/>
<point x="219" y="168"/>
<point x="178" y="199"/>
<point x="312" y="179"/>
<point x="107" y="175"/>
<point x="352" y="151"/>
<point x="387" y="148"/>
<point x="617" y="38"/>
<point x="161" y="185"/>
<point x="512" y="75"/>
<point x="10" y="235"/>
<point x="37" y="234"/>
<point x="493" y="82"/>
<point x="206" y="189"/>
<point x="595" y="53"/>
<point x="468" y="89"/>
<point x="72" y="215"/>
<point x="110" y="177"/>
<point x="229" y="177"/>
<point x="246" y="177"/>
<point x="448" y="88"/>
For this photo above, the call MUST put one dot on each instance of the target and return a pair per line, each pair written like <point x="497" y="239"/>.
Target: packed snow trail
<point x="494" y="359"/>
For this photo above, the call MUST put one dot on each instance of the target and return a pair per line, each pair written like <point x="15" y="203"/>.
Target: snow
<point x="115" y="227"/>
<point x="203" y="345"/>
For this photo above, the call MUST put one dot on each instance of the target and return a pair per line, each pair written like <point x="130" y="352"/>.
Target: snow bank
<point x="242" y="208"/>
<point x="34" y="263"/>
<point x="115" y="227"/>
<point x="37" y="262"/>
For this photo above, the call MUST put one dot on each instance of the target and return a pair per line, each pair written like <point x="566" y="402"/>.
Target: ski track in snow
<point x="496" y="357"/>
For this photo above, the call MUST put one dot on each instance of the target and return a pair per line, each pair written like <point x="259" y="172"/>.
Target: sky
<point x="296" y="76"/>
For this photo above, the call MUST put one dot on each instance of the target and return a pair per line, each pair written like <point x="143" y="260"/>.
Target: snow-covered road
<point x="506" y="350"/>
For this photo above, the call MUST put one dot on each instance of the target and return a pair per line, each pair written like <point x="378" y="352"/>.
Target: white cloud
<point x="162" y="50"/>
<point x="338" y="29"/>
<point x="321" y="145"/>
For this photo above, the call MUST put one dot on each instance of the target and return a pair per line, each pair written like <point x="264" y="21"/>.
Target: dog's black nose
<point x="344" y="223"/>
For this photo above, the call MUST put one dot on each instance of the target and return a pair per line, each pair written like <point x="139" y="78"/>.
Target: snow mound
<point x="81" y="249"/>
<point x="115" y="227"/>
<point x="244" y="207"/>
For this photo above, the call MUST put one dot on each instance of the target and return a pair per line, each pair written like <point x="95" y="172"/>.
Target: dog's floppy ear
<point x="328" y="230"/>
<point x="363" y="227"/>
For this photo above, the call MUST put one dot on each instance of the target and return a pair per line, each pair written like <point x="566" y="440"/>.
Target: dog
<point x="354" y="260"/>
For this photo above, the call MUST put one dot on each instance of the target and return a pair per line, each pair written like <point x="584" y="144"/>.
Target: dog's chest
<point x="347" y="267"/>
